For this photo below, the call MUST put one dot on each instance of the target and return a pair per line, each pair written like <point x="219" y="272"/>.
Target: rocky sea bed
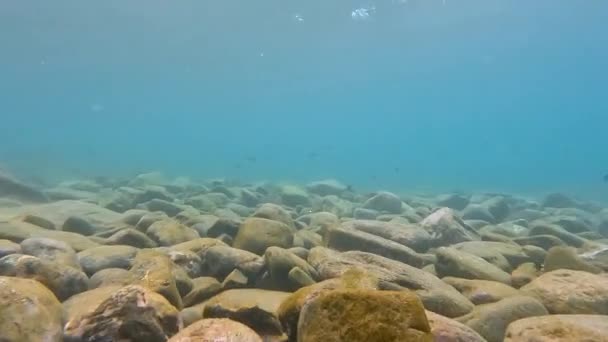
<point x="149" y="259"/>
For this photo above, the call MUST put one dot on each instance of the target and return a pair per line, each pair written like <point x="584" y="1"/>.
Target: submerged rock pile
<point x="146" y="259"/>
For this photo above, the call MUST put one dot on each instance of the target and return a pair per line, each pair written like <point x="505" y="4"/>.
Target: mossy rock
<point x="358" y="315"/>
<point x="289" y="311"/>
<point x="28" y="311"/>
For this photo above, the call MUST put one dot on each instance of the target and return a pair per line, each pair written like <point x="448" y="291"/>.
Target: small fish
<point x="312" y="155"/>
<point x="252" y="159"/>
<point x="606" y="177"/>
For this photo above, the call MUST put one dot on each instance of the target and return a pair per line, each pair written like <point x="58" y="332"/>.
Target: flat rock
<point x="491" y="320"/>
<point x="559" y="328"/>
<point x="343" y="239"/>
<point x="436" y="295"/>
<point x="19" y="231"/>
<point x="58" y="212"/>
<point x="456" y="263"/>
<point x="570" y="292"/>
<point x="514" y="254"/>
<point x="409" y="235"/>
<point x="540" y="227"/>
<point x="481" y="291"/>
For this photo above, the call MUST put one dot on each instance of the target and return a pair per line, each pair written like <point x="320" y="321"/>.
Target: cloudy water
<point x="420" y="95"/>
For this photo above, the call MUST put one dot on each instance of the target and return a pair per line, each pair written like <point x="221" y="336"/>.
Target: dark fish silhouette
<point x="252" y="159"/>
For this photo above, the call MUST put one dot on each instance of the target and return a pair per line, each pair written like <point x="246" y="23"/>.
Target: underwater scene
<point x="302" y="171"/>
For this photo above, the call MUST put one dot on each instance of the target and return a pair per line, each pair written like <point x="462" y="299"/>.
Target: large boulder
<point x="28" y="311"/>
<point x="290" y="308"/>
<point x="436" y="295"/>
<point x="382" y="316"/>
<point x="559" y="328"/>
<point x="570" y="292"/>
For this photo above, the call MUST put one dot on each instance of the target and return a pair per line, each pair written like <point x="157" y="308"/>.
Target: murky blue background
<point x="440" y="95"/>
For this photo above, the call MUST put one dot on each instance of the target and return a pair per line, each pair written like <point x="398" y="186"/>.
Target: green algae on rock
<point x="360" y="315"/>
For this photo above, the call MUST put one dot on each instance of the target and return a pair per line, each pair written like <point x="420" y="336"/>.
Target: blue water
<point x="435" y="95"/>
